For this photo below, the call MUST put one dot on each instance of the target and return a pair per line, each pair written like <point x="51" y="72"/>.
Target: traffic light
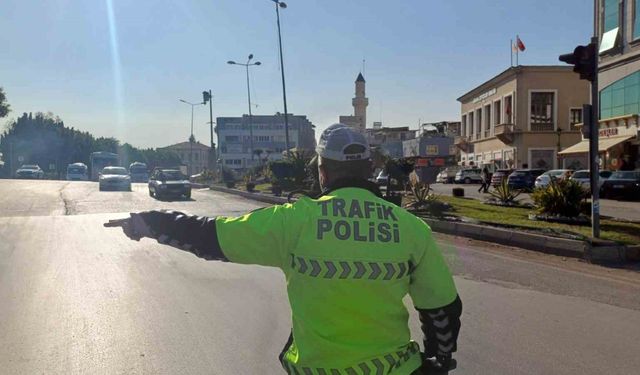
<point x="206" y="96"/>
<point x="583" y="60"/>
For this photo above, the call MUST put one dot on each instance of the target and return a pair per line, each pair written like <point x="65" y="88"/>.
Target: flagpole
<point x="511" y="51"/>
<point x="517" y="50"/>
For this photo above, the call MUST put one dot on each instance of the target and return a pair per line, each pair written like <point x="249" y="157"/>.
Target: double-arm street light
<point x="191" y="138"/>
<point x="281" y="4"/>
<point x="247" y="65"/>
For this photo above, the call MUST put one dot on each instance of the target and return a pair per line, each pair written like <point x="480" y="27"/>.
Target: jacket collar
<point x="352" y="183"/>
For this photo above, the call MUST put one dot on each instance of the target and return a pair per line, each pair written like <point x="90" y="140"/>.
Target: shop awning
<point x="603" y="145"/>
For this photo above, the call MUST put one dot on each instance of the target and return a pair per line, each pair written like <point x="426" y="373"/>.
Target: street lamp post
<point x="283" y="5"/>
<point x="191" y="138"/>
<point x="247" y="65"/>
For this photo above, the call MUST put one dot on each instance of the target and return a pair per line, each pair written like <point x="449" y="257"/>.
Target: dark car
<point x="524" y="179"/>
<point x="169" y="183"/>
<point x="622" y="184"/>
<point x="499" y="176"/>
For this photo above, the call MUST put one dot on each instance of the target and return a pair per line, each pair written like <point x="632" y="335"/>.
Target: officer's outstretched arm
<point x="255" y="238"/>
<point x="436" y="299"/>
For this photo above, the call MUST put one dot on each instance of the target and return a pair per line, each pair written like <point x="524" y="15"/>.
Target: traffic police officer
<point x="349" y="258"/>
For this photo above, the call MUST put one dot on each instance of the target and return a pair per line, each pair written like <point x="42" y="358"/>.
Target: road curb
<point x="602" y="252"/>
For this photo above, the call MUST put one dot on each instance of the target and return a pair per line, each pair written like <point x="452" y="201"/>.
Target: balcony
<point x="462" y="143"/>
<point x="505" y="133"/>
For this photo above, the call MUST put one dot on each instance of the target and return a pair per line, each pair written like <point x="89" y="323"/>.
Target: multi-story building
<point x="194" y="155"/>
<point x="522" y="117"/>
<point x="268" y="138"/>
<point x="389" y="139"/>
<point x="617" y="24"/>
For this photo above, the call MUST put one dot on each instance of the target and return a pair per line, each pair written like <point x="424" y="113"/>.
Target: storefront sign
<point x="484" y="95"/>
<point x="608" y="132"/>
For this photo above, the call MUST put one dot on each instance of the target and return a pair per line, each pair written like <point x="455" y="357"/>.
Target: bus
<point x="77" y="172"/>
<point x="139" y="172"/>
<point x="101" y="159"/>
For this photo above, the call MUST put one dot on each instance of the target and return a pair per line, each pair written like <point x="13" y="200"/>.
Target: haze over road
<point x="78" y="298"/>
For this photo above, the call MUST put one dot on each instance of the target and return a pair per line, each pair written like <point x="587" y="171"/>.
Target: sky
<point x="118" y="68"/>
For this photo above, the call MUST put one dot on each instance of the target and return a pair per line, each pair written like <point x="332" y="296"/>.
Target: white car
<point x="448" y="175"/>
<point x="583" y="177"/>
<point x="30" y="171"/>
<point x="114" y="178"/>
<point x="544" y="179"/>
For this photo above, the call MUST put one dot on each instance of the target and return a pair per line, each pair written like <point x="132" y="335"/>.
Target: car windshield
<point x="581" y="174"/>
<point x="34" y="167"/>
<point x="519" y="173"/>
<point x="555" y="173"/>
<point x="138" y="170"/>
<point x="76" y="170"/>
<point x="172" y="175"/>
<point x="605" y="174"/>
<point x="625" y="175"/>
<point x="115" y="170"/>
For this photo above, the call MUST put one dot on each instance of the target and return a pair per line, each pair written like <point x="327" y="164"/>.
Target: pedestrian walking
<point x="349" y="258"/>
<point x="486" y="179"/>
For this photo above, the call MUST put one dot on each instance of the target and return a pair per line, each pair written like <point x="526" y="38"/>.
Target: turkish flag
<point x="520" y="45"/>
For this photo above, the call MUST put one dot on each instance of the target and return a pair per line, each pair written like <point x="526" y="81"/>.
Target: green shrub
<point x="560" y="198"/>
<point x="505" y="194"/>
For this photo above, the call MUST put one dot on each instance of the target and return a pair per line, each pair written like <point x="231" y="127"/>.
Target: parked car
<point x="583" y="177"/>
<point x="383" y="178"/>
<point x="524" y="179"/>
<point x="114" y="178"/>
<point x="168" y="182"/>
<point x="77" y="172"/>
<point x="544" y="179"/>
<point x="499" y="176"/>
<point x="447" y="175"/>
<point x="30" y="171"/>
<point x="468" y="176"/>
<point x="622" y="184"/>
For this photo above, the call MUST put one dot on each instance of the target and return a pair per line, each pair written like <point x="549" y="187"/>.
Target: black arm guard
<point x="196" y="234"/>
<point x="441" y="327"/>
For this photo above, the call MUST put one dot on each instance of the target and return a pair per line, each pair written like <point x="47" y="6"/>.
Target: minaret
<point x="360" y="102"/>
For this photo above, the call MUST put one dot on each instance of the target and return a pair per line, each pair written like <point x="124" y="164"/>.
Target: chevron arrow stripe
<point x="307" y="371"/>
<point x="365" y="369"/>
<point x="379" y="366"/>
<point x="321" y="371"/>
<point x="360" y="270"/>
<point x="441" y="323"/>
<point x="346" y="270"/>
<point x="390" y="271"/>
<point x="315" y="268"/>
<point x="444" y="337"/>
<point x="390" y="360"/>
<point x="403" y="269"/>
<point x="331" y="270"/>
<point x="375" y="271"/>
<point x="303" y="265"/>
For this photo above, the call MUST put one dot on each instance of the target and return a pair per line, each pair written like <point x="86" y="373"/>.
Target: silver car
<point x="114" y="178"/>
<point x="558" y="174"/>
<point x="30" y="171"/>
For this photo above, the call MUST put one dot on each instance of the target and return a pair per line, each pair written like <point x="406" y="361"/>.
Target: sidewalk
<point x="617" y="209"/>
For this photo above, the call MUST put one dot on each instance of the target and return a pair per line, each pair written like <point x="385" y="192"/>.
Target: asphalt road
<point x="77" y="298"/>
<point x="609" y="207"/>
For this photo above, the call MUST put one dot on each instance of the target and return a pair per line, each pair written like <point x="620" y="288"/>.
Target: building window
<point x="497" y="112"/>
<point x="575" y="117"/>
<point x="432" y="150"/>
<point x="542" y="111"/>
<point x="487" y="121"/>
<point x="261" y="138"/>
<point x="232" y="138"/>
<point x="196" y="156"/>
<point x="636" y="19"/>
<point x="508" y="109"/>
<point x="228" y="162"/>
<point x="542" y="158"/>
<point x="621" y="98"/>
<point x="610" y="15"/>
<point x="470" y="125"/>
<point x="463" y="131"/>
<point x="478" y="124"/>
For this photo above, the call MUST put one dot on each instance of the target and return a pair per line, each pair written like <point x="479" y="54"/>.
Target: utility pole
<point x="585" y="62"/>
<point x="208" y="97"/>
